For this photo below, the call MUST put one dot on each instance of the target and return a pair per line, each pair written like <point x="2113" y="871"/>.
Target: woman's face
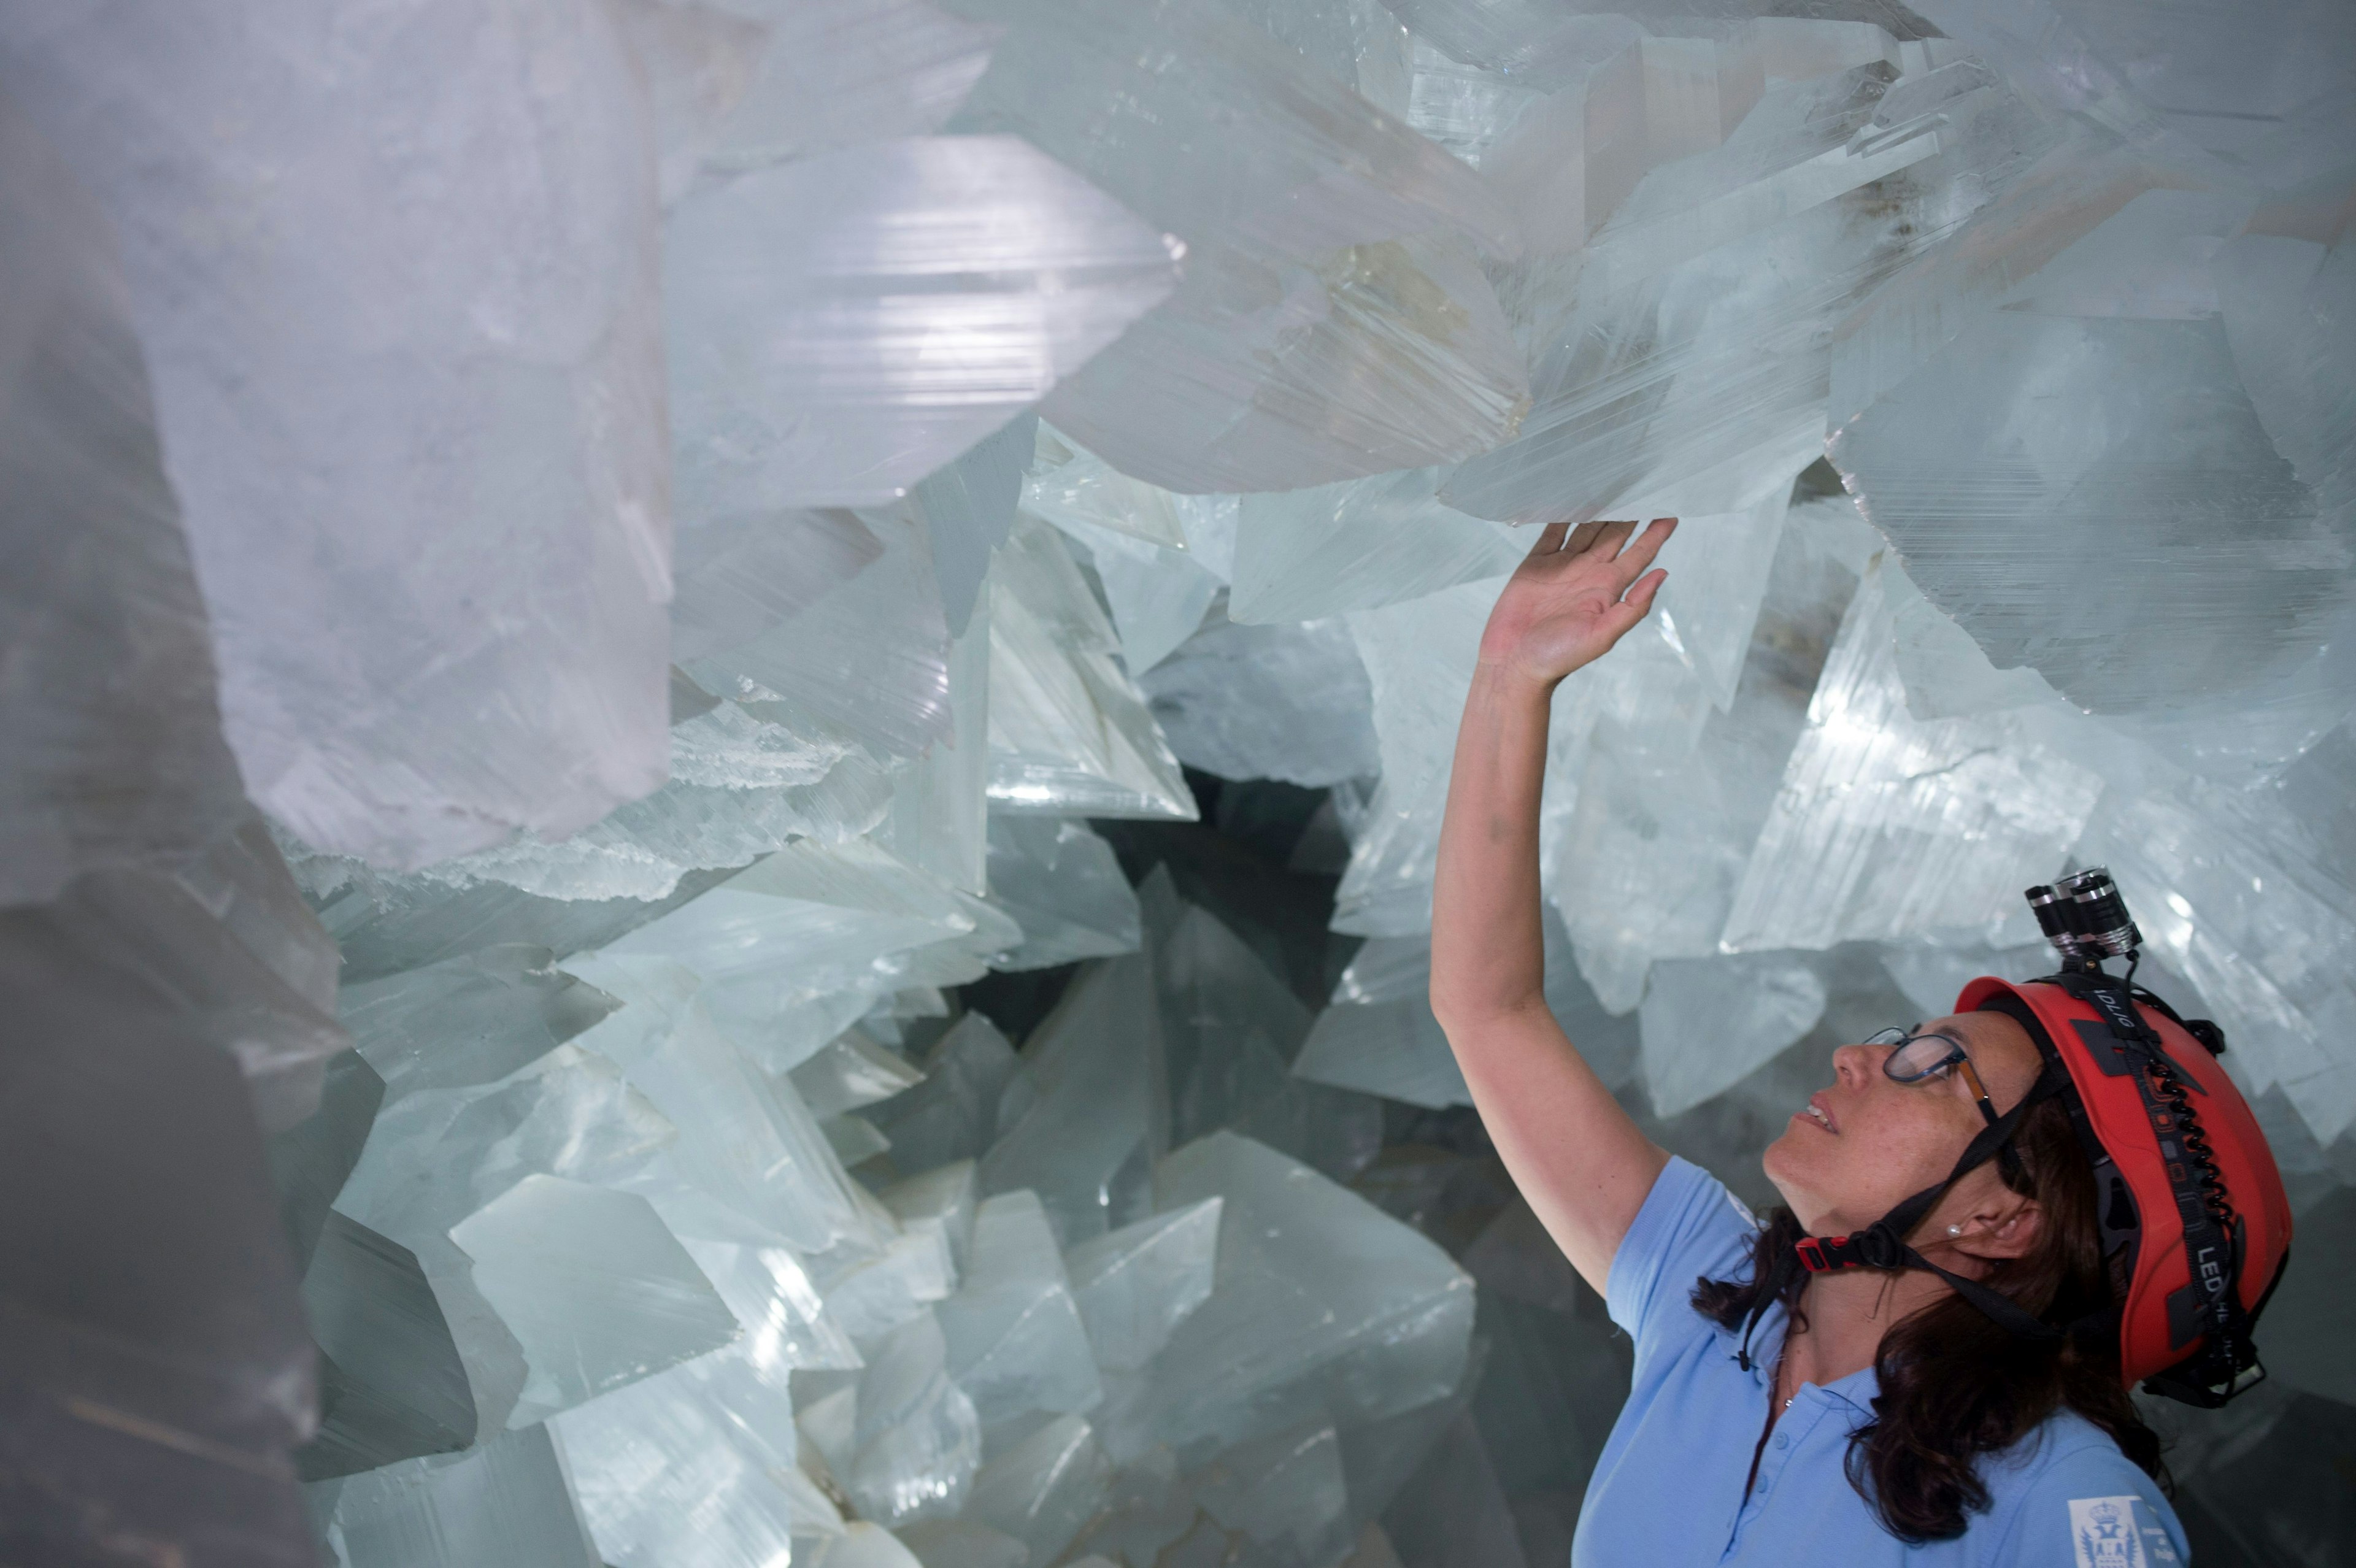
<point x="1869" y="1142"/>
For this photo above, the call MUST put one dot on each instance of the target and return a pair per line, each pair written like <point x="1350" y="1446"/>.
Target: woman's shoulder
<point x="2066" y="1495"/>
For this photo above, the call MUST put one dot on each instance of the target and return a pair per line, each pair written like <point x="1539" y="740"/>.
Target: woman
<point x="1856" y="1416"/>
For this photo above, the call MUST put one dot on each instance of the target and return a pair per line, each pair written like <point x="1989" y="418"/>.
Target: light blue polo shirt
<point x="1667" y="1491"/>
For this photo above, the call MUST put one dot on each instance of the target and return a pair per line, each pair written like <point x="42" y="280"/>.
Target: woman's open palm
<point x="1572" y="598"/>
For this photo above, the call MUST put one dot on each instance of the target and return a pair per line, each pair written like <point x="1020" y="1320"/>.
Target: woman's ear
<point x="2005" y="1233"/>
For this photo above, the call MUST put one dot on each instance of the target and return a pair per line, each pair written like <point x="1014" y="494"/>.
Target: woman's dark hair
<point x="1955" y="1386"/>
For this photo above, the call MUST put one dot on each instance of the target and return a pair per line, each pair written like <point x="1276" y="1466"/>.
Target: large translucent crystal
<point x="953" y="1113"/>
<point x="155" y="1363"/>
<point x="2101" y="515"/>
<point x="786" y="949"/>
<point x="858" y="657"/>
<point x="1061" y="884"/>
<point x="391" y="1384"/>
<point x="597" y="1292"/>
<point x="1708" y="1022"/>
<point x="1281" y="701"/>
<point x="1070" y="734"/>
<point x="1689" y="361"/>
<point x="825" y="350"/>
<point x="747" y="1141"/>
<point x="1040" y="1491"/>
<point x="1323" y="1306"/>
<point x="1136" y="1285"/>
<point x="685" y="1468"/>
<point x="1095" y="1118"/>
<point x="1015" y="1341"/>
<point x="1331" y="325"/>
<point x="418" y="445"/>
<point x="114" y="735"/>
<point x="738" y="86"/>
<point x="469" y="1021"/>
<point x="1302" y="554"/>
<point x="1885" y="827"/>
<point x="504" y="1502"/>
<point x="917" y="1443"/>
<point x="2249" y="895"/>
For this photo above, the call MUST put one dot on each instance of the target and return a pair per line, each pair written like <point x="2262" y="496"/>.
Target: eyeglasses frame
<point x="1956" y="1057"/>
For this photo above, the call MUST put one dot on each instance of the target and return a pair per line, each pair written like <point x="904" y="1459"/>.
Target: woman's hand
<point x="1568" y="602"/>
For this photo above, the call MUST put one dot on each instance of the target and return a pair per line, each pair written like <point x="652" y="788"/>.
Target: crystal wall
<point x="722" y="726"/>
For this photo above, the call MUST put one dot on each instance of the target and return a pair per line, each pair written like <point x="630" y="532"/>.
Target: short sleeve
<point x="2092" y="1508"/>
<point x="1690" y="1227"/>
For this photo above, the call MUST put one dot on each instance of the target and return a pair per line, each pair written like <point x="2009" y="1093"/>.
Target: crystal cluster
<point x="724" y="721"/>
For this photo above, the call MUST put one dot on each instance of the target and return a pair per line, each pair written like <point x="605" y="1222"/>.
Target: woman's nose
<point x="1852" y="1063"/>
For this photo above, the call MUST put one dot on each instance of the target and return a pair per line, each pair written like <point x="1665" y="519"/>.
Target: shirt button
<point x="1782" y="1440"/>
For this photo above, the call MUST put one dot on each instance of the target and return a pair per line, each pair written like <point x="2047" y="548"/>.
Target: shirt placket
<point x="1790" y="1434"/>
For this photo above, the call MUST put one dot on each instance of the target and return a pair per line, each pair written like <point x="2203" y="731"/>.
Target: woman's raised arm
<point x="1575" y="1154"/>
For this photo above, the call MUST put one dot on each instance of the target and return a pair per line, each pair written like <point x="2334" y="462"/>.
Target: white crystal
<point x="597" y="1292"/>
<point x="1708" y="1022"/>
<point x="1040" y="1491"/>
<point x="917" y="1443"/>
<point x="1268" y="702"/>
<point x="1302" y="554"/>
<point x="1070" y="734"/>
<point x="468" y="382"/>
<point x="1136" y="1285"/>
<point x="1093" y="1072"/>
<point x="841" y="324"/>
<point x="669" y="1470"/>
<point x="953" y="1113"/>
<point x="1323" y="1306"/>
<point x="116" y="747"/>
<point x="1014" y="1335"/>
<point x="1884" y="827"/>
<point x="1061" y="883"/>
<point x="505" y="1503"/>
<point x="1329" y="325"/>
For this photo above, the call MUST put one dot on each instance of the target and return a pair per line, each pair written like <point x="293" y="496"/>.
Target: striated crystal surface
<point x="418" y="445"/>
<point x="504" y="1502"/>
<point x="1304" y="554"/>
<point x="391" y="1384"/>
<point x="952" y="1114"/>
<point x="823" y="352"/>
<point x="1884" y="827"/>
<point x="917" y="1442"/>
<point x="114" y="731"/>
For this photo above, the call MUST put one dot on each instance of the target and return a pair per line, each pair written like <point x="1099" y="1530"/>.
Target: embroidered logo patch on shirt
<point x="2118" y="1532"/>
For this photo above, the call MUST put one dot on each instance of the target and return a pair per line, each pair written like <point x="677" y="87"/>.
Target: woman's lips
<point x="1816" y="1113"/>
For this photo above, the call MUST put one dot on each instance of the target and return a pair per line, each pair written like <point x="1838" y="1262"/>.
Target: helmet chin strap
<point x="1883" y="1244"/>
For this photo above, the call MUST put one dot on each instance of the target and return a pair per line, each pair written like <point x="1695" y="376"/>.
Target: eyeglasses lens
<point x="1920" y="1056"/>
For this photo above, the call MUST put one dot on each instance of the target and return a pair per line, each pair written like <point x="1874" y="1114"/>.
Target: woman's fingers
<point x="1549" y="540"/>
<point x="1632" y="560"/>
<point x="1606" y="542"/>
<point x="1641" y="596"/>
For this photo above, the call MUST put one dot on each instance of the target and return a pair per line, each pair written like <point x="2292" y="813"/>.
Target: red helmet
<point x="2193" y="1215"/>
<point x="2184" y="1180"/>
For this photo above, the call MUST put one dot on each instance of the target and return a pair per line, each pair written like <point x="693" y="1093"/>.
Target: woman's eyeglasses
<point x="1914" y="1057"/>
